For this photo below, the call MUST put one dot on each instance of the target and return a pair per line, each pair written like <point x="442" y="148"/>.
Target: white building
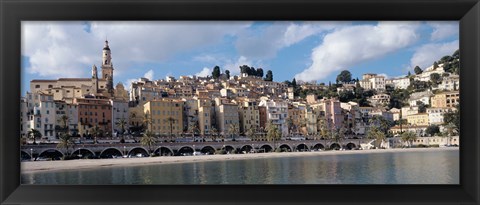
<point x="400" y="83"/>
<point x="119" y="111"/>
<point x="373" y="81"/>
<point x="424" y="97"/>
<point x="435" y="114"/>
<point x="38" y="112"/>
<point x="277" y="112"/>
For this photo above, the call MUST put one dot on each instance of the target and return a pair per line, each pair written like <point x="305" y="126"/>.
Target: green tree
<point x="435" y="65"/>
<point x="269" y="76"/>
<point x="409" y="137"/>
<point x="171" y="121"/>
<point x="435" y="78"/>
<point x="453" y="117"/>
<point x="227" y="73"/>
<point x="417" y="70"/>
<point x="250" y="133"/>
<point x="294" y="83"/>
<point x="377" y="134"/>
<point x="214" y="133"/>
<point x="409" y="74"/>
<point x="193" y="128"/>
<point x="122" y="123"/>
<point x="273" y="134"/>
<point x="146" y="121"/>
<point x="66" y="142"/>
<point x="260" y="72"/>
<point x="216" y="72"/>
<point x="344" y="77"/>
<point x="148" y="140"/>
<point x="233" y="130"/>
<point x="432" y="130"/>
<point x="34" y="134"/>
<point x="95" y="131"/>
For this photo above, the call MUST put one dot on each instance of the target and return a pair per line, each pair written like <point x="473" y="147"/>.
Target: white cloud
<point x="443" y="29"/>
<point x="204" y="72"/>
<point x="149" y="74"/>
<point x="427" y="54"/>
<point x="266" y="41"/>
<point x="65" y="49"/>
<point x="351" y="45"/>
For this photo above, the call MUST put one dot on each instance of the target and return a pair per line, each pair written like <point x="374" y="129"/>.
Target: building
<point x="227" y="118"/>
<point x="119" y="113"/>
<point x="206" y="116"/>
<point x="420" y="119"/>
<point x="435" y="114"/>
<point x="423" y="97"/>
<point x="446" y="99"/>
<point x="332" y="111"/>
<point x="249" y="115"/>
<point x="400" y="83"/>
<point x="373" y="81"/>
<point x="276" y="114"/>
<point x="66" y="89"/>
<point x="450" y="83"/>
<point x="38" y="111"/>
<point x="380" y="99"/>
<point x="166" y="116"/>
<point x="94" y="112"/>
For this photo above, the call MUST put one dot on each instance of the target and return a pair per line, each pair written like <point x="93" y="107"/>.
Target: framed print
<point x="239" y="102"/>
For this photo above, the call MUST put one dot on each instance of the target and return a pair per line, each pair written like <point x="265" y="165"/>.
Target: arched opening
<point x="229" y="149"/>
<point x="51" y="154"/>
<point x="302" y="148"/>
<point x="163" y="151"/>
<point x="351" y="146"/>
<point x="285" y="148"/>
<point x="138" y="152"/>
<point x="110" y="153"/>
<point x="185" y="151"/>
<point x="25" y="156"/>
<point x="265" y="148"/>
<point x="335" y="146"/>
<point x="83" y="154"/>
<point x="208" y="150"/>
<point x="246" y="149"/>
<point x="318" y="147"/>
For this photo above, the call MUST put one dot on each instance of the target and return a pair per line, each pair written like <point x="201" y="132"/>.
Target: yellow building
<point x="249" y="115"/>
<point x="420" y="119"/>
<point x="446" y="99"/>
<point x="166" y="116"/>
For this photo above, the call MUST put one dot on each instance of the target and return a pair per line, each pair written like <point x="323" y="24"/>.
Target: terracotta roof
<point x="40" y="80"/>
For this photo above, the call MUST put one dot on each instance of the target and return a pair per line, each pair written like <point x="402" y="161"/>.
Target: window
<point x="37" y="86"/>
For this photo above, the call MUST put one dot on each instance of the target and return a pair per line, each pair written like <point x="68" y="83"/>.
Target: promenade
<point x="42" y="166"/>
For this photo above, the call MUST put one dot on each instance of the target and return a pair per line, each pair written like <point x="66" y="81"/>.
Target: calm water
<point x="431" y="167"/>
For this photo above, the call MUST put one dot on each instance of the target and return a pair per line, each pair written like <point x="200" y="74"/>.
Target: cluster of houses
<point x="239" y="105"/>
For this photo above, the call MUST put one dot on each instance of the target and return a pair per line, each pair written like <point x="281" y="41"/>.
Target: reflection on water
<point x="433" y="167"/>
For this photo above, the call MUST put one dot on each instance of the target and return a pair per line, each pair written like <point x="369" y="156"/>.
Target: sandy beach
<point x="39" y="166"/>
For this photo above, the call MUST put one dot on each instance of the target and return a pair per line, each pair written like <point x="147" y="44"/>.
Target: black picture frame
<point x="13" y="12"/>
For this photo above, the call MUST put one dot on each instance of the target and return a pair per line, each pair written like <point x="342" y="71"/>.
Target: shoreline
<point x="45" y="166"/>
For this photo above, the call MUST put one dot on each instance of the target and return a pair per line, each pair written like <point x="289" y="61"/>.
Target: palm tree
<point x="375" y="133"/>
<point x="66" y="141"/>
<point x="148" y="140"/>
<point x="289" y="123"/>
<point x="122" y="123"/>
<point x="214" y="133"/>
<point x="409" y="137"/>
<point x="303" y="123"/>
<point x="192" y="128"/>
<point x="171" y="120"/>
<point x="64" y="119"/>
<point x="33" y="133"/>
<point x="450" y="128"/>
<point x="324" y="131"/>
<point x="147" y="121"/>
<point x="273" y="133"/>
<point x="233" y="130"/>
<point x="250" y="133"/>
<point x="95" y="131"/>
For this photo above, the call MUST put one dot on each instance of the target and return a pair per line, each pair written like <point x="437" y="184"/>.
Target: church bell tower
<point x="107" y="67"/>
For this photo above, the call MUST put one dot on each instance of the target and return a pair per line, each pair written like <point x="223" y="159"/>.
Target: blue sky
<point x="307" y="51"/>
